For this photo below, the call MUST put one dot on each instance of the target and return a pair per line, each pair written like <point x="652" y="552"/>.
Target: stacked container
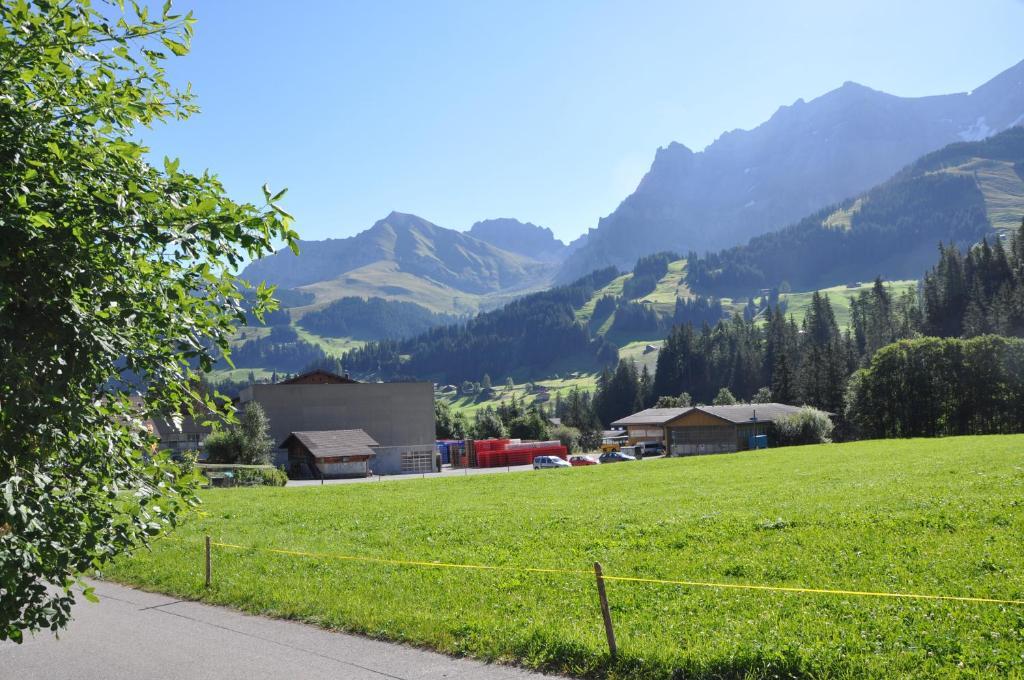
<point x="504" y="452"/>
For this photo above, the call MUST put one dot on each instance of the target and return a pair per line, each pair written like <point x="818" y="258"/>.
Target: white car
<point x="541" y="462"/>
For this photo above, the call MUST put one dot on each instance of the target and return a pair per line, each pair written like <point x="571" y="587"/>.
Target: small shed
<point x="329" y="453"/>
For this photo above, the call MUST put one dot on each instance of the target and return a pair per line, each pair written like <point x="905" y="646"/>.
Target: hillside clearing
<point x="470" y="405"/>
<point x="937" y="516"/>
<point x="840" y="296"/>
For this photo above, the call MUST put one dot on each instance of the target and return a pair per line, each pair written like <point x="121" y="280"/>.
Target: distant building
<point x="648" y="425"/>
<point x="329" y="453"/>
<point x="399" y="417"/>
<point x="178" y="434"/>
<point x="704" y="429"/>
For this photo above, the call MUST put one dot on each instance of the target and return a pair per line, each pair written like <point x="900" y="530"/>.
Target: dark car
<point x="615" y="457"/>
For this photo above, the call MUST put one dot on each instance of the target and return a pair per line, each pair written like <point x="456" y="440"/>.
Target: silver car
<point x="542" y="462"/>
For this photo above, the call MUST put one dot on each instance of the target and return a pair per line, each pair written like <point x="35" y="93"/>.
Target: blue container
<point x="758" y="441"/>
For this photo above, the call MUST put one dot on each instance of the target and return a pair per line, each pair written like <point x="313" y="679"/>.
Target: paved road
<point x="445" y="472"/>
<point x="135" y="635"/>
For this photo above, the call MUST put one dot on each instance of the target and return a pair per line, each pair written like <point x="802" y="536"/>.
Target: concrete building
<point x="330" y="453"/>
<point x="399" y="417"/>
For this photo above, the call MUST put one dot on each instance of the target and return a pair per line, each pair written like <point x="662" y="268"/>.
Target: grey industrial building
<point x="399" y="417"/>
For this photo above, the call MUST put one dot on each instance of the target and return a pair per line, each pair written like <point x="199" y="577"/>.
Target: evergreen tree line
<point x="524" y="338"/>
<point x="891" y="232"/>
<point x="897" y="372"/>
<point x="373" y="319"/>
<point x="641" y="320"/>
<point x="647" y="271"/>
<point x="510" y="419"/>
<point x="281" y="350"/>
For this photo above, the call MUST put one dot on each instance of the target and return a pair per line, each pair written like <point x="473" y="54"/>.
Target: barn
<point x="329" y="453"/>
<point x="722" y="429"/>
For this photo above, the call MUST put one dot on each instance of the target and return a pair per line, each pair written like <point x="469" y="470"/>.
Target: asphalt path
<point x="137" y="635"/>
<point x="446" y="471"/>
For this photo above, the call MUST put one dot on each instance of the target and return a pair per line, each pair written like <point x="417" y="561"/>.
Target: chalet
<point x="329" y="453"/>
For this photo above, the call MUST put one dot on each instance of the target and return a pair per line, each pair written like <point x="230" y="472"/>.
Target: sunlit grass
<point x="921" y="516"/>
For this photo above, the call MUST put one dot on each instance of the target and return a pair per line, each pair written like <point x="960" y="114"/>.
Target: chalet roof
<point x="652" y="416"/>
<point x="319" y="376"/>
<point x="331" y="443"/>
<point x="745" y="413"/>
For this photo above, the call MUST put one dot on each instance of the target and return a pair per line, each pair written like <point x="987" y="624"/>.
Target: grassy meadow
<point x="470" y="404"/>
<point x="840" y="296"/>
<point x="941" y="516"/>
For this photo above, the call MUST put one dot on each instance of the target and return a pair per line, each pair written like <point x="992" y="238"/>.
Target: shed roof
<point x="745" y="413"/>
<point x="331" y="443"/>
<point x="652" y="416"/>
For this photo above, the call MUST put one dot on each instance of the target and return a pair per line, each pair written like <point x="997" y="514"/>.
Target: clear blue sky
<point x="549" y="111"/>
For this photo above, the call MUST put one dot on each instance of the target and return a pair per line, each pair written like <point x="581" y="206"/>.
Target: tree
<point x="488" y="425"/>
<point x="762" y="396"/>
<point x="724" y="397"/>
<point x="486" y="382"/>
<point x="117" y="276"/>
<point x="254" y="432"/>
<point x="806" y="426"/>
<point x="447" y="421"/>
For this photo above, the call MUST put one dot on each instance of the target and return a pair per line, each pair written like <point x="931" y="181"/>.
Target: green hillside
<point x="933" y="517"/>
<point x="958" y="195"/>
<point x="840" y="297"/>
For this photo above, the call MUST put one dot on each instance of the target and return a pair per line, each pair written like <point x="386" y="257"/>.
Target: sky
<point x="549" y="112"/>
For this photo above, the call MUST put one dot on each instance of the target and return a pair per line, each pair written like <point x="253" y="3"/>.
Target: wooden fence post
<point x="605" y="612"/>
<point x="209" y="565"/>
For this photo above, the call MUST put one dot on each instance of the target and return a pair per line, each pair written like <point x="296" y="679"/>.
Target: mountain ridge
<point x="443" y="259"/>
<point x="804" y="157"/>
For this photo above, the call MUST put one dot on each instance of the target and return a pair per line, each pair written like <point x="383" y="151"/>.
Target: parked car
<point x="653" y="448"/>
<point x="582" y="460"/>
<point x="616" y="457"/>
<point x="542" y="462"/>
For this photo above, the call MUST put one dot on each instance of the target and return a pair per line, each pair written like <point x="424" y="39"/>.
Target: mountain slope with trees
<point x="889" y="231"/>
<point x="530" y="337"/>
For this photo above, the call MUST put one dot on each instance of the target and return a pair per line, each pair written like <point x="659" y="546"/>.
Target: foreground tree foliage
<point x="115" y="276"/>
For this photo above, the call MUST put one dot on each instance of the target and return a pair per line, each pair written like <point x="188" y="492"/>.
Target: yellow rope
<point x="627" y="579"/>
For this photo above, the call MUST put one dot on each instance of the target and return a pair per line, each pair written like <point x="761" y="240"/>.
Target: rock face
<point x="524" y="238"/>
<point x="805" y="157"/>
<point x="408" y="244"/>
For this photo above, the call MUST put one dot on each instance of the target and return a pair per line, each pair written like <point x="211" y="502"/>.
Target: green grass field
<point x="469" y="405"/>
<point x="942" y="516"/>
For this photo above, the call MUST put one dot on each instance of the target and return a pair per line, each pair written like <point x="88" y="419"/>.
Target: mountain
<point x="806" y="156"/>
<point x="523" y="238"/>
<point x="532" y="336"/>
<point x="958" y="195"/>
<point x="404" y="257"/>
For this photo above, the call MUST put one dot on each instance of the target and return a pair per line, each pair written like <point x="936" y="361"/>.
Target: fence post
<point x="605" y="612"/>
<point x="209" y="565"/>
